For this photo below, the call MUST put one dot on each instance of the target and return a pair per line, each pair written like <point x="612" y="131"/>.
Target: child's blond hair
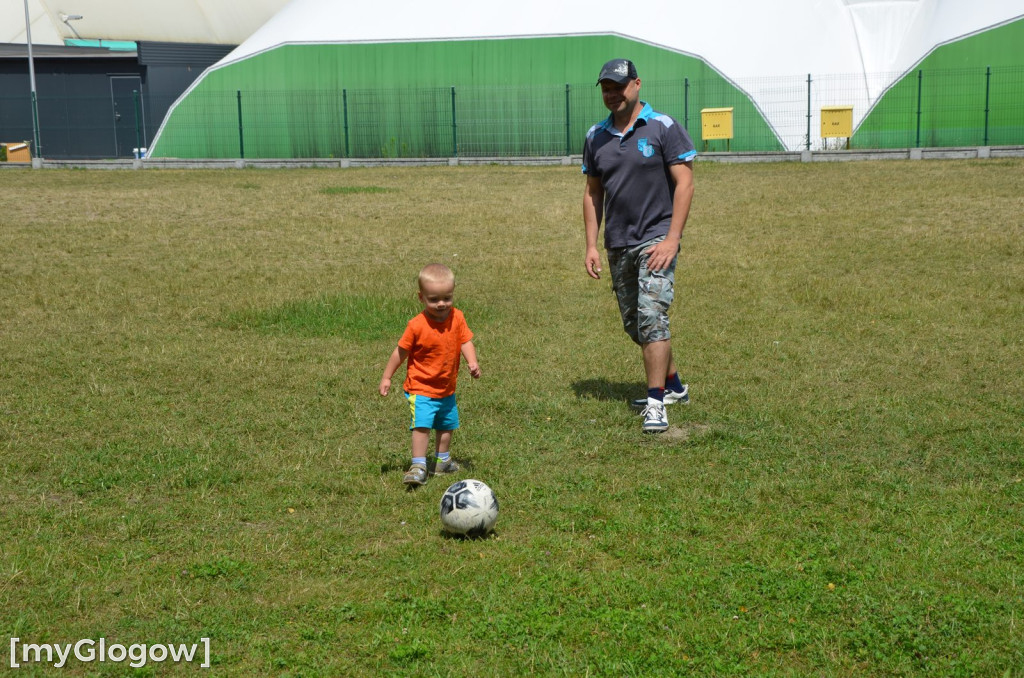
<point x="435" y="273"/>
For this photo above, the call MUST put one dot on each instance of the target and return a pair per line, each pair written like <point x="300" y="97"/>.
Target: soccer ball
<point x="469" y="508"/>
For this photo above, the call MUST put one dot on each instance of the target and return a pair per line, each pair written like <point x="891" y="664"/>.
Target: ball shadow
<point x="445" y="534"/>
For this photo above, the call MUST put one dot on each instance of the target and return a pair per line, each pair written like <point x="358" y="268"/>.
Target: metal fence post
<point x="138" y="117"/>
<point x="568" y="140"/>
<point x="344" y="108"/>
<point x="808" y="111"/>
<point x="36" y="132"/>
<point x="686" y="104"/>
<point x="988" y="83"/>
<point x="37" y="151"/>
<point x="455" y="134"/>
<point x="920" y="78"/>
<point x="241" y="138"/>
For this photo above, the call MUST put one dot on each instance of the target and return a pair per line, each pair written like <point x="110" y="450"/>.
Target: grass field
<point x="192" y="444"/>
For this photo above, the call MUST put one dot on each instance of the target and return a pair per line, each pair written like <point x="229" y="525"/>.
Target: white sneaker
<point x="671" y="397"/>
<point x="655" y="419"/>
<point x="678" y="396"/>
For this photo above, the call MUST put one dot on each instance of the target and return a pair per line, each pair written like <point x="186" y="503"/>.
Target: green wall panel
<point x="943" y="101"/>
<point x="512" y="97"/>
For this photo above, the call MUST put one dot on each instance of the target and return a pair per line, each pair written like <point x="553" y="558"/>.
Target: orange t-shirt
<point x="435" y="352"/>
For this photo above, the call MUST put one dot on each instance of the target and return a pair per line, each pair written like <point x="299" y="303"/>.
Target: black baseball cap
<point x="618" y="70"/>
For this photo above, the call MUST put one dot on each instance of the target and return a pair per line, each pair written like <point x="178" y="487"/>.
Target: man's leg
<point x="658" y="363"/>
<point x="653" y="302"/>
<point x="675" y="391"/>
<point x="657" y="356"/>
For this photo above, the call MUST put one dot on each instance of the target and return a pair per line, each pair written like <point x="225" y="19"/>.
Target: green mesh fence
<point x="924" y="108"/>
<point x="939" y="108"/>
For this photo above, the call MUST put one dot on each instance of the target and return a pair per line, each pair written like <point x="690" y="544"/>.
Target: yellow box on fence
<point x="836" y="121"/>
<point x="18" y="152"/>
<point x="716" y="123"/>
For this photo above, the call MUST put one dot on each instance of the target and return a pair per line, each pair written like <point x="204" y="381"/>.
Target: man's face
<point x="620" y="98"/>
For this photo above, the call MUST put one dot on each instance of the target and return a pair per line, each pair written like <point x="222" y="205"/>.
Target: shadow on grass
<point x="465" y="466"/>
<point x="445" y="534"/>
<point x="602" y="389"/>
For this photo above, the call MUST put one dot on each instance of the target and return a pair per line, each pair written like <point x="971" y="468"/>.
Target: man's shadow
<point x="602" y="389"/>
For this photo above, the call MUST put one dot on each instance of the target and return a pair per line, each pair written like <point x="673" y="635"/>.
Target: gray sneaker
<point x="416" y="475"/>
<point x="655" y="419"/>
<point x="671" y="397"/>
<point x="450" y="466"/>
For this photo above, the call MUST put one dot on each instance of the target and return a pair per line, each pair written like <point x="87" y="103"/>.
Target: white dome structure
<point x="765" y="50"/>
<point x="221" y="22"/>
<point x="741" y="38"/>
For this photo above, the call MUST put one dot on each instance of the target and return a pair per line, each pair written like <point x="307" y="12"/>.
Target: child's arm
<point x="469" y="353"/>
<point x="396" y="359"/>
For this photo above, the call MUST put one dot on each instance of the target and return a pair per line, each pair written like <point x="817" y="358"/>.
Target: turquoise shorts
<point x="440" y="414"/>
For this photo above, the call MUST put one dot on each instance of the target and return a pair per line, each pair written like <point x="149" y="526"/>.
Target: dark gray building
<point x="94" y="102"/>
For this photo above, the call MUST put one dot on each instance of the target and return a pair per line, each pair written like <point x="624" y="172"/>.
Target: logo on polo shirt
<point x="645" y="148"/>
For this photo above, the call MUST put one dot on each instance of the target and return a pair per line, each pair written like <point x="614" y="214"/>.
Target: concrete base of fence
<point x="752" y="156"/>
<point x="840" y="156"/>
<point x="965" y="153"/>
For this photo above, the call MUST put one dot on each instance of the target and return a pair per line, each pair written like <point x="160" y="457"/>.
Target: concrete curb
<point x="960" y="153"/>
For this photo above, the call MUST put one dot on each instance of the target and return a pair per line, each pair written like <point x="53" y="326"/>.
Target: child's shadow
<point x="602" y="389"/>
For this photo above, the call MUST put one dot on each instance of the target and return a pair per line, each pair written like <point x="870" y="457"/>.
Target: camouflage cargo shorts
<point x="644" y="296"/>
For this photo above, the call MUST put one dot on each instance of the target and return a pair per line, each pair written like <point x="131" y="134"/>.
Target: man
<point x="639" y="168"/>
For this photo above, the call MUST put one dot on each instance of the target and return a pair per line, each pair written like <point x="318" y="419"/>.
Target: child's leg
<point x="445" y="463"/>
<point x="417" y="473"/>
<point x="443" y="443"/>
<point x="447" y="420"/>
<point x="419" y="410"/>
<point x="420" y="443"/>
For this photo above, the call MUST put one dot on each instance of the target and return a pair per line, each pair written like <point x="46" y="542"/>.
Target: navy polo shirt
<point x="634" y="170"/>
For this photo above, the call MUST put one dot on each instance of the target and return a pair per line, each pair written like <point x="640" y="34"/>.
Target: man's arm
<point x="593" y="212"/>
<point x="661" y="255"/>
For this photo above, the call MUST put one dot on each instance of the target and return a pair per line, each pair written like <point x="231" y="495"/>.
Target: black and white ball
<point x="469" y="508"/>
